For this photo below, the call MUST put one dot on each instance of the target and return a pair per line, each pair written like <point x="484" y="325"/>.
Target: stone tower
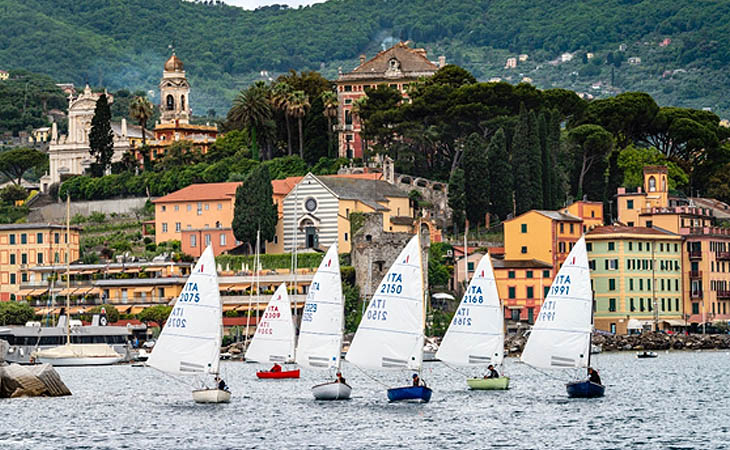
<point x="174" y="92"/>
<point x="656" y="186"/>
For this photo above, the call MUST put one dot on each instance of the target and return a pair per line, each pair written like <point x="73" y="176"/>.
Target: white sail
<point x="320" y="333"/>
<point x="274" y="337"/>
<point x="390" y="334"/>
<point x="561" y="335"/>
<point x="190" y="342"/>
<point x="476" y="333"/>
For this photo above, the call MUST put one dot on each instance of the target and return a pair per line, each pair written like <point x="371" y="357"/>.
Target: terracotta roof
<point x="622" y="229"/>
<point x="185" y="126"/>
<point x="238" y="321"/>
<point x="558" y="215"/>
<point x="283" y="187"/>
<point x="200" y="192"/>
<point x="411" y="62"/>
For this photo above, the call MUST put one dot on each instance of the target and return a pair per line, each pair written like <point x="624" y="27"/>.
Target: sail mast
<point x="423" y="299"/>
<point x="68" y="269"/>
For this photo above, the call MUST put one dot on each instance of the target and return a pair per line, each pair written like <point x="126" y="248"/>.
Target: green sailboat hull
<point x="488" y="384"/>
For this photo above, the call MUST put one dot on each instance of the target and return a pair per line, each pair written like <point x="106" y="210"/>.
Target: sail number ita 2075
<point x="190" y="293"/>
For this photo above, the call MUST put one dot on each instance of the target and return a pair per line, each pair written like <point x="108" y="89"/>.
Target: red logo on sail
<point x="202" y="266"/>
<point x="329" y="262"/>
<point x="407" y="258"/>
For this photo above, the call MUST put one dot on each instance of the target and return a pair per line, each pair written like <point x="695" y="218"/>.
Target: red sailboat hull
<point x="278" y="375"/>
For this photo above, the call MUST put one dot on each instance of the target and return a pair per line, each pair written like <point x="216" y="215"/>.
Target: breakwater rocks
<point x="40" y="380"/>
<point x="646" y="341"/>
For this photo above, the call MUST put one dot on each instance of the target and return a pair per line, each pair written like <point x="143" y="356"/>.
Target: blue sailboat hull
<point x="585" y="389"/>
<point x="412" y="393"/>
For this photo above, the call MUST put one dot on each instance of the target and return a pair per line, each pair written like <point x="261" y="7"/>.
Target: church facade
<point x="69" y="154"/>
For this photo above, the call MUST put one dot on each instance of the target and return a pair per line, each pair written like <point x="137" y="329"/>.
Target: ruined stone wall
<point x="374" y="250"/>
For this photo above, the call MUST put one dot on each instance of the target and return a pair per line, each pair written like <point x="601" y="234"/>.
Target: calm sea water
<point x="679" y="400"/>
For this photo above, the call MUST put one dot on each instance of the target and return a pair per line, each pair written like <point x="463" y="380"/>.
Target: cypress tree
<point x="535" y="178"/>
<point x="500" y="176"/>
<point x="254" y="208"/>
<point x="101" y="137"/>
<point x="521" y="162"/>
<point x="547" y="164"/>
<point x="557" y="190"/>
<point x="457" y="201"/>
<point x="476" y="181"/>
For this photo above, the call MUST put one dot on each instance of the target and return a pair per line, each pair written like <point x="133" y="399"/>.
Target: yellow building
<point x="636" y="276"/>
<point x="28" y="245"/>
<point x="590" y="212"/>
<point x="546" y="236"/>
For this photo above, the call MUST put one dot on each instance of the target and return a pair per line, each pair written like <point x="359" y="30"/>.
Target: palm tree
<point x="329" y="99"/>
<point x="280" y="95"/>
<point x="251" y="109"/>
<point x="298" y="107"/>
<point x="141" y="110"/>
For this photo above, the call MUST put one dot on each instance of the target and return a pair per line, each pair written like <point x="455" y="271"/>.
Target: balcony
<point x="723" y="256"/>
<point x="697" y="294"/>
<point x="723" y="295"/>
<point x="695" y="274"/>
<point x="695" y="254"/>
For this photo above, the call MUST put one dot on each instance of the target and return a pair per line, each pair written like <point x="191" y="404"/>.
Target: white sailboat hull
<point x="211" y="396"/>
<point x="80" y="361"/>
<point x="332" y="391"/>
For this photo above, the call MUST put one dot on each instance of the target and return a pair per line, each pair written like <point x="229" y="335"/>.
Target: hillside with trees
<point x="681" y="44"/>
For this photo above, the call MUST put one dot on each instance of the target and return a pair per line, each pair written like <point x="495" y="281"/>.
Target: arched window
<point x="652" y="184"/>
<point x="170" y="102"/>
<point x="182" y="103"/>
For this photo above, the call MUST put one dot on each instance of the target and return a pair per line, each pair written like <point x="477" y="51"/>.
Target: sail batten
<point x="479" y="314"/>
<point x="561" y="335"/>
<point x="320" y="336"/>
<point x="190" y="341"/>
<point x="390" y="334"/>
<point x="275" y="334"/>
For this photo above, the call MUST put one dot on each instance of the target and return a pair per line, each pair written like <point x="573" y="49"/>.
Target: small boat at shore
<point x="190" y="342"/>
<point x="646" y="355"/>
<point x="475" y="337"/>
<point x="561" y="336"/>
<point x="323" y="321"/>
<point x="391" y="333"/>
<point x="273" y="341"/>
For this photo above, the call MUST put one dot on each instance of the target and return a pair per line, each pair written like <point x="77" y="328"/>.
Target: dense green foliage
<point x="26" y="98"/>
<point x="124" y="44"/>
<point x="269" y="261"/>
<point x="101" y="137"/>
<point x="476" y="179"/>
<point x="157" y="314"/>
<point x="16" y="162"/>
<point x="15" y="313"/>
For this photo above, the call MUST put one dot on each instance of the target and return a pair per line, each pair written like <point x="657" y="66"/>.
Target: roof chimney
<point x="442" y="61"/>
<point x="362" y="59"/>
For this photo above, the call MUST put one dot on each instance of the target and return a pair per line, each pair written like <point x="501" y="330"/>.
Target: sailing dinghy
<point x="274" y="337"/>
<point x="391" y="333"/>
<point x="320" y="332"/>
<point x="476" y="334"/>
<point x="190" y="342"/>
<point x="561" y="336"/>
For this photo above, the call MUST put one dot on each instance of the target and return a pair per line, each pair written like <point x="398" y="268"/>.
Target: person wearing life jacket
<point x="416" y="380"/>
<point x="276" y="368"/>
<point x="340" y="378"/>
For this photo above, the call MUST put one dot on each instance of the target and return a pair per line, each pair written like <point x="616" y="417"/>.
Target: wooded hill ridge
<point x="124" y="44"/>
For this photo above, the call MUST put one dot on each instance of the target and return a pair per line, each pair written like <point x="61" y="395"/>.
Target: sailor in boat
<point x="593" y="376"/>
<point x="492" y="373"/>
<point x="275" y="368"/>
<point x="221" y="384"/>
<point x="417" y="381"/>
<point x="340" y="378"/>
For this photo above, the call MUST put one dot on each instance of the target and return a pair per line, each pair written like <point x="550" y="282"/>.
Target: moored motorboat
<point x="78" y="355"/>
<point x="267" y="374"/>
<point x="211" y="396"/>
<point x="585" y="389"/>
<point x="488" y="384"/>
<point x="333" y="390"/>
<point x="410" y="393"/>
<point x="646" y="354"/>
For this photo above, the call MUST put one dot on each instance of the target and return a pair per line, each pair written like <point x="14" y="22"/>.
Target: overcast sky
<point x="253" y="4"/>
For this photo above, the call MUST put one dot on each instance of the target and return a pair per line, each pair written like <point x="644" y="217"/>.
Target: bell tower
<point x="174" y="92"/>
<point x="656" y="186"/>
